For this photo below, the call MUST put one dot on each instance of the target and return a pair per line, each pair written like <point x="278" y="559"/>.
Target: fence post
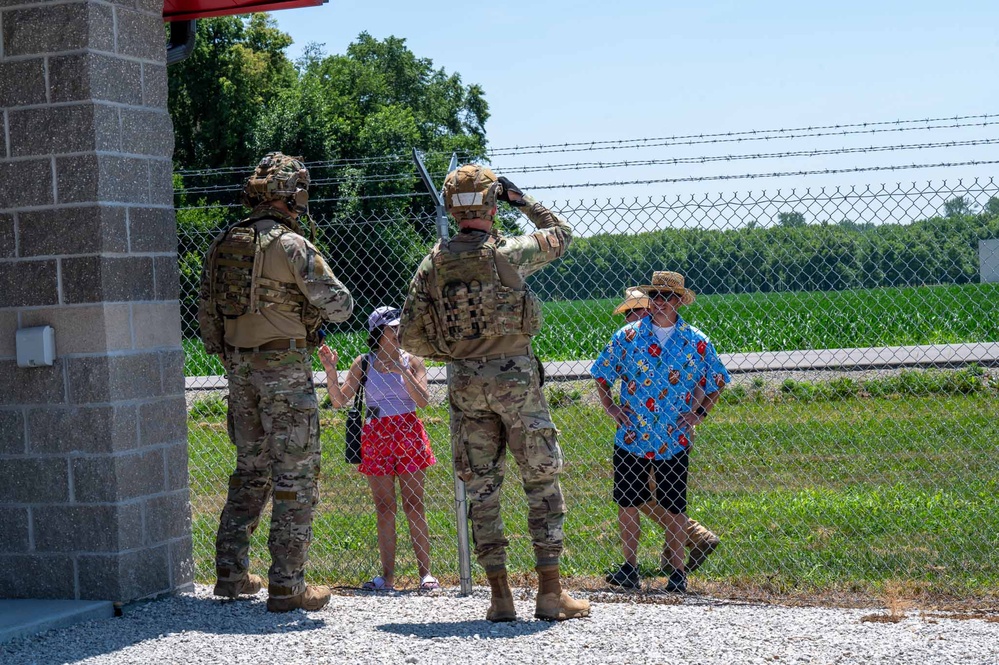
<point x="460" y="501"/>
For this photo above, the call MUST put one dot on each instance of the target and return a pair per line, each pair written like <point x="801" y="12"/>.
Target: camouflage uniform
<point x="496" y="399"/>
<point x="272" y="417"/>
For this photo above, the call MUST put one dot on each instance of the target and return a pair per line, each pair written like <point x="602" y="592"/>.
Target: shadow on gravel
<point x="485" y="630"/>
<point x="150" y="620"/>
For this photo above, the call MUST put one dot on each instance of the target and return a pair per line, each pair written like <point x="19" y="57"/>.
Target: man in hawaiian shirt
<point x="661" y="361"/>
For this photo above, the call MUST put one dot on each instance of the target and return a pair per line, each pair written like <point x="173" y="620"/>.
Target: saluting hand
<point x="510" y="193"/>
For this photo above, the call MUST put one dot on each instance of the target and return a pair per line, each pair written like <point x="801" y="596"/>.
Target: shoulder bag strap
<point x="359" y="395"/>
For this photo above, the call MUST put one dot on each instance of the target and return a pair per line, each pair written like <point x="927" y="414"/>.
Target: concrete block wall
<point x="93" y="450"/>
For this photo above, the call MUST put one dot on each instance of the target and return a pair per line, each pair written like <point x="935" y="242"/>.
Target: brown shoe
<point x="501" y="605"/>
<point x="700" y="544"/>
<point x="554" y="604"/>
<point x="248" y="586"/>
<point x="312" y="599"/>
<point x="701" y="552"/>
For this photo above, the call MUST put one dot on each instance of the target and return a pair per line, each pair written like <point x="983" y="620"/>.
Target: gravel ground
<point x="445" y="628"/>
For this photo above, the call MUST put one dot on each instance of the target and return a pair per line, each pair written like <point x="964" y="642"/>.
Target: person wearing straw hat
<point x="661" y="361"/>
<point x="700" y="542"/>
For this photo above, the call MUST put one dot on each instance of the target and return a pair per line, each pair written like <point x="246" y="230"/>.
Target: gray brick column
<point x="93" y="451"/>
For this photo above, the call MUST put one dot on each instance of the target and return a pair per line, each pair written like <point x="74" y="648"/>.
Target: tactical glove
<point x="507" y="188"/>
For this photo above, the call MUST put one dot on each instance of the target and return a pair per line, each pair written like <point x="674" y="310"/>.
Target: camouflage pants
<point x="495" y="405"/>
<point x="274" y="423"/>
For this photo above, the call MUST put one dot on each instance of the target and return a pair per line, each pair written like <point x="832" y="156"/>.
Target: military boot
<point x="501" y="606"/>
<point x="553" y="603"/>
<point x="312" y="599"/>
<point x="247" y="586"/>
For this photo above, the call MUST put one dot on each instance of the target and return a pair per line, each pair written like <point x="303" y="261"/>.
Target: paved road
<point x="879" y="357"/>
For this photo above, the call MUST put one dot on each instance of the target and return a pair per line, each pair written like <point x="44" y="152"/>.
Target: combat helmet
<point x="278" y="177"/>
<point x="470" y="192"/>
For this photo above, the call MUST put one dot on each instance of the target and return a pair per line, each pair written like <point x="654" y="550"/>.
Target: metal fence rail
<point x="840" y="474"/>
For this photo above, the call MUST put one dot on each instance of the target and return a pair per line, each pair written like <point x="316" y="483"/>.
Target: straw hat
<point x="664" y="281"/>
<point x="633" y="299"/>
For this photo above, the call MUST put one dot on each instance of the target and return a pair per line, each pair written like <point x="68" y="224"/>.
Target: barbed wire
<point x="837" y="193"/>
<point x="776" y="174"/>
<point x="658" y="143"/>
<point x="675" y="161"/>
<point x="754" y="132"/>
<point x="742" y="176"/>
<point x="647" y="142"/>
<point x="579" y="166"/>
<point x="314" y="200"/>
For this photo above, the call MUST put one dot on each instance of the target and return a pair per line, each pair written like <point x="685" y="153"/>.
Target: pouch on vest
<point x="418" y="330"/>
<point x="472" y="302"/>
<point x="233" y="267"/>
<point x="237" y="285"/>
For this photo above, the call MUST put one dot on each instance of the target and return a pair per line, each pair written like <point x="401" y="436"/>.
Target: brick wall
<point x="93" y="451"/>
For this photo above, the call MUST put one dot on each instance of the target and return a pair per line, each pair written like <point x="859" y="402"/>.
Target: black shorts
<point x="631" y="480"/>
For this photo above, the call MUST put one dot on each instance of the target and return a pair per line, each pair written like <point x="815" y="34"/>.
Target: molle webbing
<point x="474" y="303"/>
<point x="463" y="309"/>
<point x="233" y="267"/>
<point x="282" y="295"/>
<point x="237" y="286"/>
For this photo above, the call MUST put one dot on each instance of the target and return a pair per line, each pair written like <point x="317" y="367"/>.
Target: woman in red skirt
<point x="394" y="443"/>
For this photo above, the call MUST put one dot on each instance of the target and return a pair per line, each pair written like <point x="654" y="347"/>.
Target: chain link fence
<point x="854" y="450"/>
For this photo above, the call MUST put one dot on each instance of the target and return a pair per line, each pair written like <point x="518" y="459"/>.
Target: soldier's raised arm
<point x="534" y="251"/>
<point x="316" y="280"/>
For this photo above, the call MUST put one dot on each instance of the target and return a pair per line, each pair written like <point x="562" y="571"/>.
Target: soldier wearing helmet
<point x="469" y="304"/>
<point x="265" y="292"/>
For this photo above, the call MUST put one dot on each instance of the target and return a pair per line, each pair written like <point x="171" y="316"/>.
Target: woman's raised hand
<point x="328" y="357"/>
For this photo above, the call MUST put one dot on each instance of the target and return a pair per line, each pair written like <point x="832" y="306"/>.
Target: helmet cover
<point x="470" y="192"/>
<point x="278" y="177"/>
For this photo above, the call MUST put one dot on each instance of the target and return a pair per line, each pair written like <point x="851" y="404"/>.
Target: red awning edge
<point x="185" y="10"/>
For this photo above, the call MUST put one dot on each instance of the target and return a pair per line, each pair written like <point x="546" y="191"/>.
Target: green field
<point x="747" y="323"/>
<point x="812" y="489"/>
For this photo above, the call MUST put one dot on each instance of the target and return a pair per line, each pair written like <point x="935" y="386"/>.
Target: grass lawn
<point x="745" y="323"/>
<point x="809" y="495"/>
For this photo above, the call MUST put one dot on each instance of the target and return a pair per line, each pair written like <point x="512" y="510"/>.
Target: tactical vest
<point x="471" y="301"/>
<point x="237" y="286"/>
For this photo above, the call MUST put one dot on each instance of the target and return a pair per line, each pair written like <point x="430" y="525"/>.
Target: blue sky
<point x="559" y="71"/>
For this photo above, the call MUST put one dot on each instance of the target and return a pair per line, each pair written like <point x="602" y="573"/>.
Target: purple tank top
<point x="385" y="394"/>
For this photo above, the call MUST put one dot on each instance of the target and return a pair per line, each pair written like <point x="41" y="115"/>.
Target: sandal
<point x="429" y="583"/>
<point x="377" y="584"/>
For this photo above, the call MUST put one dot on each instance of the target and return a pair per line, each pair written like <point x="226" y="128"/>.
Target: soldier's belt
<point x="276" y="345"/>
<point x="526" y="353"/>
<point x="495" y="356"/>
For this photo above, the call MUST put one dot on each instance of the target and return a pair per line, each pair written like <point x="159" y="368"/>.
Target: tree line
<point x="787" y="257"/>
<point x="376" y="256"/>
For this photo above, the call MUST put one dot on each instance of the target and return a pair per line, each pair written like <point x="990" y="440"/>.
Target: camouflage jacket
<point x="290" y="258"/>
<point x="523" y="254"/>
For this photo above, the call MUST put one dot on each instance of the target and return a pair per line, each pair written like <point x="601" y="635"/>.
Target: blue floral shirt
<point x="658" y="383"/>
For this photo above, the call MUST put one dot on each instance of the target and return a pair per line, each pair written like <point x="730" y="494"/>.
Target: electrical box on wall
<point x="35" y="346"/>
